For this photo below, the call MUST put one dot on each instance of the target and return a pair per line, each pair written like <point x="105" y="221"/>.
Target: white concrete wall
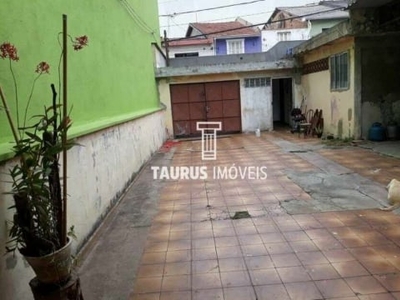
<point x="98" y="171"/>
<point x="256" y="106"/>
<point x="203" y="50"/>
<point x="269" y="38"/>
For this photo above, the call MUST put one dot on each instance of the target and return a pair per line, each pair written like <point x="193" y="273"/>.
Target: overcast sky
<point x="255" y="13"/>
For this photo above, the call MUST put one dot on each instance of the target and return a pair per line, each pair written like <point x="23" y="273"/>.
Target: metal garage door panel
<point x="197" y="111"/>
<point x="231" y="108"/>
<point x="232" y="125"/>
<point x="230" y="90"/>
<point x="179" y="93"/>
<point x="196" y="92"/>
<point x="180" y="111"/>
<point x="213" y="91"/>
<point x="215" y="110"/>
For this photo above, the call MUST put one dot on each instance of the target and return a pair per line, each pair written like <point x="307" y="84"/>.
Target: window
<point x="190" y="54"/>
<point x="339" y="67"/>
<point x="284" y="36"/>
<point x="257" y="82"/>
<point x="235" y="46"/>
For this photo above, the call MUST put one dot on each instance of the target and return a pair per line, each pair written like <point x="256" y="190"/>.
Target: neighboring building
<point x="350" y="71"/>
<point x="205" y="39"/>
<point x="302" y="22"/>
<point x="244" y="92"/>
<point x="118" y="121"/>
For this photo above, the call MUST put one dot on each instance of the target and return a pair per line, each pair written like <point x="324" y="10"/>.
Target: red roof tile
<point x="189" y="42"/>
<point x="229" y="28"/>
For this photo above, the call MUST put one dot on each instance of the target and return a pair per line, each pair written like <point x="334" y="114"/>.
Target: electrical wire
<point x="254" y="25"/>
<point x="210" y="8"/>
<point x="138" y="20"/>
<point x="207" y="21"/>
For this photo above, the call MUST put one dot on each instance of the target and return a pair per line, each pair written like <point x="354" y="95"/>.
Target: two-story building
<point x="206" y="39"/>
<point x="302" y="22"/>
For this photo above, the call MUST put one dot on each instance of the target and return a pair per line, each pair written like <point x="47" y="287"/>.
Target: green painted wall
<point x="110" y="81"/>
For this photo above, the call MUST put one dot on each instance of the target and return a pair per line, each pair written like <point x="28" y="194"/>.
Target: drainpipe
<point x="166" y="48"/>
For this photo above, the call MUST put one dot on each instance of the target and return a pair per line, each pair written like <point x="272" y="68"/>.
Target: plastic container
<point x="392" y="132"/>
<point x="377" y="132"/>
<point x="258" y="133"/>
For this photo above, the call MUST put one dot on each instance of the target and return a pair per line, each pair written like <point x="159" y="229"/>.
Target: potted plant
<point x="39" y="225"/>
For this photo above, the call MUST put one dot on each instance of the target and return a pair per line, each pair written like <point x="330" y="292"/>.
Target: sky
<point x="176" y="24"/>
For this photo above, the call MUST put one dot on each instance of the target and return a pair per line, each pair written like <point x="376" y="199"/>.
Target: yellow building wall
<point x="337" y="106"/>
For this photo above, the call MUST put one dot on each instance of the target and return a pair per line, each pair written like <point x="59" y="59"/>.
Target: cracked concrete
<point x="332" y="188"/>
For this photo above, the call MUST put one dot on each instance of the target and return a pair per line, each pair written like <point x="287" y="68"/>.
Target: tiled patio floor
<point x="195" y="250"/>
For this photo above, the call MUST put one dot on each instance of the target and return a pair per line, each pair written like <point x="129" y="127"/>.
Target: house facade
<point x="302" y="22"/>
<point x="343" y="74"/>
<point x="117" y="118"/>
<point x="222" y="38"/>
<point x="244" y="92"/>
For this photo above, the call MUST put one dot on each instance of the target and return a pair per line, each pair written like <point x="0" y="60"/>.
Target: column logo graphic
<point x="208" y="139"/>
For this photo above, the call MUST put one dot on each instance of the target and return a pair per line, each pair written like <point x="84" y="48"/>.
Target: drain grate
<point x="241" y="215"/>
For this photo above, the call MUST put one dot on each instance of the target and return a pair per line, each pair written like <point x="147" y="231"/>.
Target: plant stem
<point x="10" y="121"/>
<point x="16" y="92"/>
<point x="30" y="97"/>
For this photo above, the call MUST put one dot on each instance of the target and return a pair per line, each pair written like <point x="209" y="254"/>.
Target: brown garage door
<point x="211" y="101"/>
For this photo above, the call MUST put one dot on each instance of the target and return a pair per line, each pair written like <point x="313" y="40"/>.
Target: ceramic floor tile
<point x="322" y="272"/>
<point x="147" y="296"/>
<point x="264" y="276"/>
<point x="278" y="248"/>
<point x="259" y="262"/>
<point x="365" y="285"/>
<point x="312" y="258"/>
<point x="285" y="260"/>
<point x="235" y="279"/>
<point x="147" y="285"/>
<point x="228" y="252"/>
<point x="390" y="281"/>
<point x="154" y="270"/>
<point x="206" y="281"/>
<point x="205" y="266"/>
<point x="350" y="269"/>
<point x="178" y="256"/>
<point x="293" y="274"/>
<point x="303" y="246"/>
<point x="334" y="288"/>
<point x="204" y="254"/>
<point x="211" y="294"/>
<point x="303" y="290"/>
<point x="273" y="291"/>
<point x="295" y="236"/>
<point x="254" y="250"/>
<point x="379" y="266"/>
<point x="179" y="268"/>
<point x="338" y="255"/>
<point x="232" y="264"/>
<point x="239" y="293"/>
<point x="184" y="295"/>
<point x="176" y="283"/>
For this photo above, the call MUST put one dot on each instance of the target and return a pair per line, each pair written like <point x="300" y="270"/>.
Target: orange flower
<point x="42" y="67"/>
<point x="8" y="50"/>
<point x="80" y="42"/>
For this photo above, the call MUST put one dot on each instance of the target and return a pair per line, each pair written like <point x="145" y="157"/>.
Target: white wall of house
<point x="203" y="50"/>
<point x="256" y="106"/>
<point x="99" y="171"/>
<point x="270" y="38"/>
